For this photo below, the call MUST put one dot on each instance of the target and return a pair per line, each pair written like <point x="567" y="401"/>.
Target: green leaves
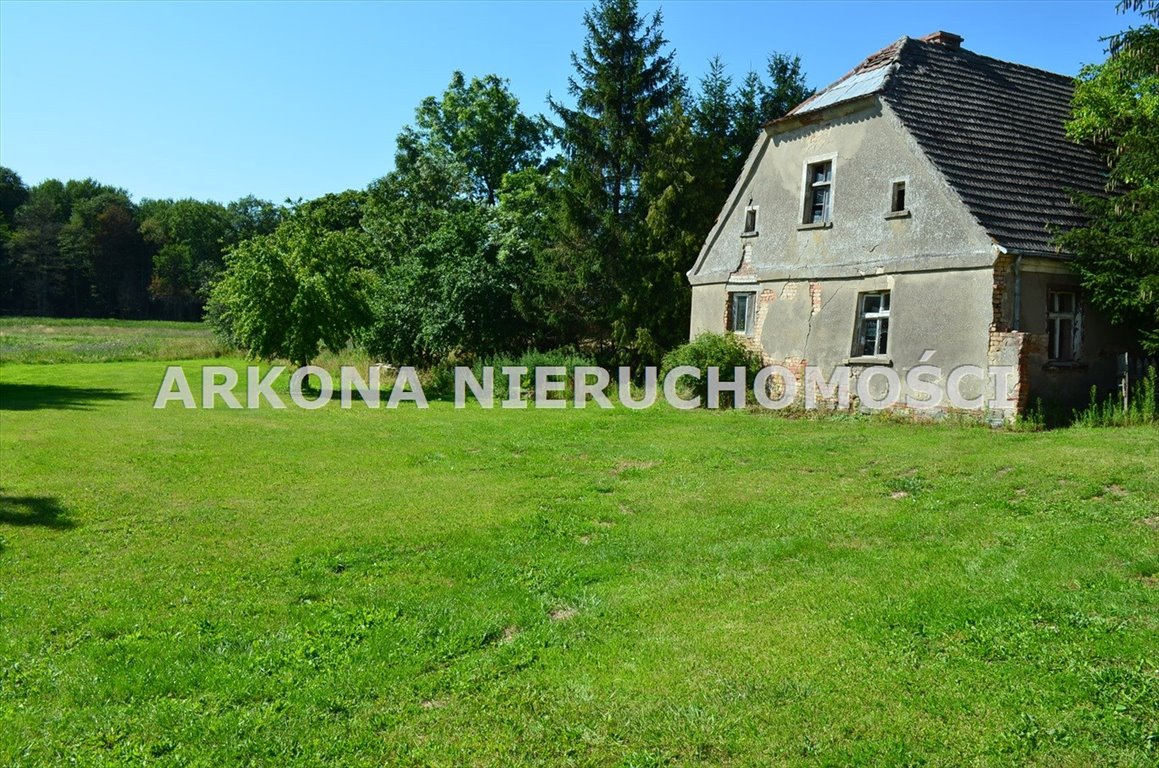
<point x="480" y="126"/>
<point x="1116" y="108"/>
<point x="287" y="294"/>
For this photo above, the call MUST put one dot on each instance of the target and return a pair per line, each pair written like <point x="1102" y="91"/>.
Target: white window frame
<point x="1055" y="319"/>
<point x="808" y="186"/>
<point x="745" y="326"/>
<point x="878" y="320"/>
<point x="755" y="211"/>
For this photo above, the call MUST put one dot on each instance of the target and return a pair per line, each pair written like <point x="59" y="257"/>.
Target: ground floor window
<point x="740" y="312"/>
<point x="872" y="336"/>
<point x="1062" y="326"/>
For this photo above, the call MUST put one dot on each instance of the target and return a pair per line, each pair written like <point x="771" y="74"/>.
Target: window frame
<point x="1055" y="319"/>
<point x="896" y="187"/>
<point x="879" y="319"/>
<point x="754" y="211"/>
<point x="809" y="186"/>
<point x="750" y="298"/>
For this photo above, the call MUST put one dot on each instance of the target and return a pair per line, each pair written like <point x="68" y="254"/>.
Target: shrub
<point x="720" y="350"/>
<point x="565" y="357"/>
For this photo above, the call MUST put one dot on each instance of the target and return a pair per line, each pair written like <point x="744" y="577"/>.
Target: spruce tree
<point x="624" y="83"/>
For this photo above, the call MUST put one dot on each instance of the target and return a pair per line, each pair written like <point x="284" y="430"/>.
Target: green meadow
<point x="579" y="587"/>
<point x="52" y="340"/>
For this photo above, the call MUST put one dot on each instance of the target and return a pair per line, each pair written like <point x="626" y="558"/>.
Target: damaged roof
<point x="994" y="129"/>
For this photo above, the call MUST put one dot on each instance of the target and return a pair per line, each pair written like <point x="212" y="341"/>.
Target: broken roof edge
<point x="880" y="63"/>
<point x="823" y="114"/>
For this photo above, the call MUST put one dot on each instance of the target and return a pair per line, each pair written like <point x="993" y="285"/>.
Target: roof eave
<point x="829" y="112"/>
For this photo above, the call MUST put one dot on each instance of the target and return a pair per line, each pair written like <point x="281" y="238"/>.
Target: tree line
<point x="1116" y="110"/>
<point x="85" y="249"/>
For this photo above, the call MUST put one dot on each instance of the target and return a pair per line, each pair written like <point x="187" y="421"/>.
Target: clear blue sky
<point x="216" y="100"/>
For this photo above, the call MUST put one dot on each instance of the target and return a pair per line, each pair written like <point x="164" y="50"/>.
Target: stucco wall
<point x="803" y="322"/>
<point x="937" y="262"/>
<point x="708" y="309"/>
<point x="870" y="149"/>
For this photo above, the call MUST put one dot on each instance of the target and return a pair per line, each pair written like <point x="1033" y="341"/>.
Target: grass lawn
<point x="441" y="587"/>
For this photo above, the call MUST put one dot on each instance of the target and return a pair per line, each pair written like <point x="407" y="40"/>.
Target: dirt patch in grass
<point x="1114" y="490"/>
<point x="563" y="614"/>
<point x="623" y="465"/>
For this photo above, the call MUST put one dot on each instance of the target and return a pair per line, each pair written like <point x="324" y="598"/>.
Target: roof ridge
<point x="940" y="47"/>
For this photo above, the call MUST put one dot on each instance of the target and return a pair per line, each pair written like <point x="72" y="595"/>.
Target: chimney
<point x="948" y="39"/>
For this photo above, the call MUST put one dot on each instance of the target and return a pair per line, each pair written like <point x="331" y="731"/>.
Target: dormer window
<point x="819" y="192"/>
<point x="750" y="220"/>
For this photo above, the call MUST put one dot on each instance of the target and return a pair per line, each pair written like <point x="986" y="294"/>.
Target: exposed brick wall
<point x="1014" y="348"/>
<point x="1003" y="289"/>
<point x="746" y="268"/>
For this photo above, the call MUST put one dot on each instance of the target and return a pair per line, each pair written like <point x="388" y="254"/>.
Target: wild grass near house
<point x="585" y="587"/>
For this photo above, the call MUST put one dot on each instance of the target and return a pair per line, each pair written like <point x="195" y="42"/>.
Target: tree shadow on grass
<point x="32" y="397"/>
<point x="43" y="511"/>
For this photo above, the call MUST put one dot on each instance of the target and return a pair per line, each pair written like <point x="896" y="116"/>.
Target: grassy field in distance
<point x="80" y="340"/>
<point x="583" y="587"/>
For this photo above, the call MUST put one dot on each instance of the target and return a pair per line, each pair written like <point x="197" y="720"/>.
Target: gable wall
<point x="870" y="149"/>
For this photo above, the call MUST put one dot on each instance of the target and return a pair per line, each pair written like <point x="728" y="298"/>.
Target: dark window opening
<point x="1062" y="326"/>
<point x="897" y="199"/>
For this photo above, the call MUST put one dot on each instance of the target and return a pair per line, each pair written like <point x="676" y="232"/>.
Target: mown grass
<point x="79" y="340"/>
<point x="590" y="587"/>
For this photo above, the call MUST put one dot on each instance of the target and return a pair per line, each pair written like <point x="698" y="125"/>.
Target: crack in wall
<point x="813" y="312"/>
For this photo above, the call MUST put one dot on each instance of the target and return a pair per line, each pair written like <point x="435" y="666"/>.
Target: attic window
<point x="750" y="220"/>
<point x="818" y="192"/>
<point x="897" y="197"/>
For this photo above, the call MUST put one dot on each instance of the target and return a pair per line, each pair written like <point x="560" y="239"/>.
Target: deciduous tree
<point x="290" y="293"/>
<point x="1116" y="109"/>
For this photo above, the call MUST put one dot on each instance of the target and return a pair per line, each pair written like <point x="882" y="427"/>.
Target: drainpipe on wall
<point x="1017" y="293"/>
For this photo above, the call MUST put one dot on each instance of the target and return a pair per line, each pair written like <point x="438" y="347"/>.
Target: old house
<point x="904" y="216"/>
